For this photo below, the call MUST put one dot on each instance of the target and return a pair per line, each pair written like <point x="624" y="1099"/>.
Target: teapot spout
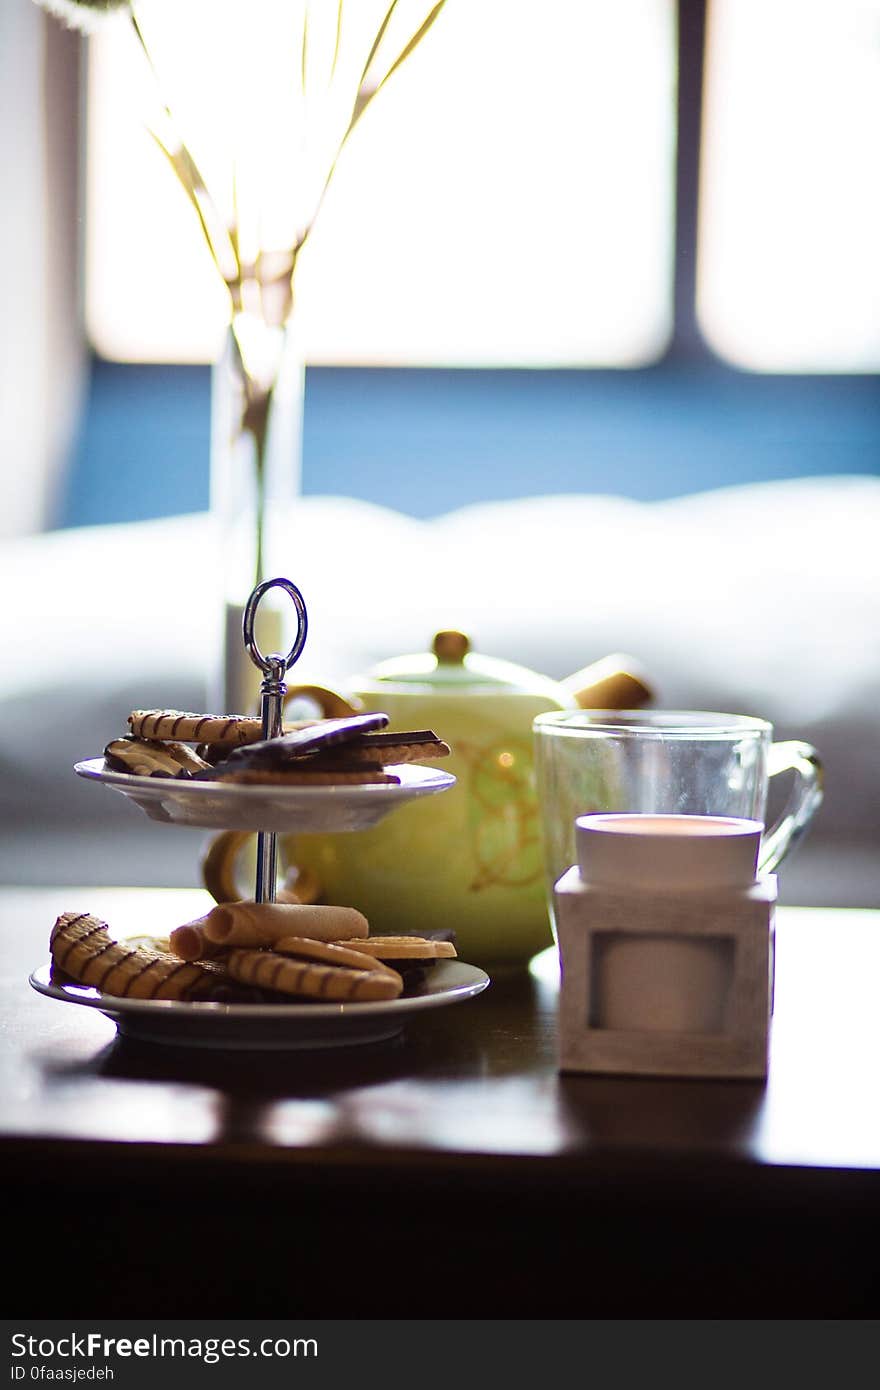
<point x="617" y="681"/>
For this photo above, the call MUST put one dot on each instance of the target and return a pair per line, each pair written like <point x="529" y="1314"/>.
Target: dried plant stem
<point x="258" y="394"/>
<point x="367" y="91"/>
<point x="262" y="293"/>
<point x="255" y="422"/>
<point x="222" y="244"/>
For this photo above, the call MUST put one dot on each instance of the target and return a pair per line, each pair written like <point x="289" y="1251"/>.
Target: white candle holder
<point x="666" y="938"/>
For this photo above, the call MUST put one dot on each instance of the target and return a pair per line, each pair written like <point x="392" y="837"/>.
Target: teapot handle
<point x="331" y="704"/>
<point x="220" y="862"/>
<point x="221" y="877"/>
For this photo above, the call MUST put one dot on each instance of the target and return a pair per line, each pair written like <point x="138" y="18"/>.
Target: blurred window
<point x="507" y="200"/>
<point x="788" y="265"/>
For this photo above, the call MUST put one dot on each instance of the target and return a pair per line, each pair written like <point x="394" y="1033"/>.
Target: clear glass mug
<point x="678" y="762"/>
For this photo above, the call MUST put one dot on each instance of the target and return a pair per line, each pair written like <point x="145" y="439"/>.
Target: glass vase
<point x="255" y="469"/>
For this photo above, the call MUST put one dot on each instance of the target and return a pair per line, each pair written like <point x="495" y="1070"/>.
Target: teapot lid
<point x="450" y="663"/>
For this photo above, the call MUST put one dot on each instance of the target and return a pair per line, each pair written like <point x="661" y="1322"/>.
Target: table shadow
<point x="489" y="1036"/>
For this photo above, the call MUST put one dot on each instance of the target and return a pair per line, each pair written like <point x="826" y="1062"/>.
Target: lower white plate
<point x="237" y="806"/>
<point x="271" y="1026"/>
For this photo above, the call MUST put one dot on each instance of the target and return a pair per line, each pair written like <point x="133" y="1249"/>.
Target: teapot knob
<point x="450" y="647"/>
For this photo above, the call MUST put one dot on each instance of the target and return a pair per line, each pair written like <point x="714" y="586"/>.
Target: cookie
<point x="347" y="751"/>
<point x="328" y="954"/>
<point x="229" y="729"/>
<point x="150" y="758"/>
<point x="82" y="947"/>
<point x="191" y="941"/>
<point x="305" y="777"/>
<point x="392" y="748"/>
<point x="152" y="943"/>
<point x="271" y="970"/>
<point x="276" y="753"/>
<point x="402" y="948"/>
<point x="262" y="924"/>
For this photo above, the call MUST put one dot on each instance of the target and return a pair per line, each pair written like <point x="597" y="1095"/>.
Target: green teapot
<point x="470" y="859"/>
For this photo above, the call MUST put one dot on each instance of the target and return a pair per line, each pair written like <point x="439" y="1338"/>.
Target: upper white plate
<point x="275" y="1026"/>
<point x="233" y="806"/>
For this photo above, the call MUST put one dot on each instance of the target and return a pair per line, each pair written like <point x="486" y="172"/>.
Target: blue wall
<point x="429" y="441"/>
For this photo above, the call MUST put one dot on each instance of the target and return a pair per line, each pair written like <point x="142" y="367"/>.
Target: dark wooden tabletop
<point x="457" y="1148"/>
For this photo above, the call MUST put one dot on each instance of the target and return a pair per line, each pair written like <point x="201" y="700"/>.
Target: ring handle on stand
<point x="272" y="693"/>
<point x="269" y="664"/>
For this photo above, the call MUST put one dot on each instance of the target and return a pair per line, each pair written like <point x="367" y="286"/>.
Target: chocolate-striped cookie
<point x="227" y="729"/>
<point x="83" y="948"/>
<point x="309" y="980"/>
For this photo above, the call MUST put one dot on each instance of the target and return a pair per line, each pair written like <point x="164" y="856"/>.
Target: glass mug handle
<point x="803" y="802"/>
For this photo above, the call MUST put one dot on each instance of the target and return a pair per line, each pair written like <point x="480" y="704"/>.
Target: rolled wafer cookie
<point x="313" y="980"/>
<point x="191" y="942"/>
<point x="83" y="948"/>
<point x="262" y="924"/>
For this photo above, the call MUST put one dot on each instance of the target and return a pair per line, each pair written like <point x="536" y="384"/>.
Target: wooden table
<point x="451" y="1173"/>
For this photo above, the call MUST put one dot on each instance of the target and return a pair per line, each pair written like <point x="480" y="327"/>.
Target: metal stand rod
<point x="266" y="866"/>
<point x="272" y="692"/>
